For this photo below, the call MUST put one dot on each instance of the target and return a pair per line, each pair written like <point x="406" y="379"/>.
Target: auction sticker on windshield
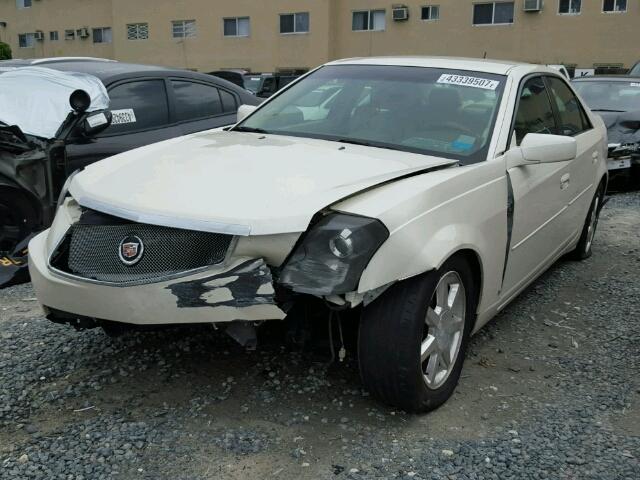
<point x="465" y="81"/>
<point x="120" y="117"/>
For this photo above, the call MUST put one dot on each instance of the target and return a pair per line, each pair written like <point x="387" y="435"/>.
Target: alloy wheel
<point x="443" y="330"/>
<point x="593" y="223"/>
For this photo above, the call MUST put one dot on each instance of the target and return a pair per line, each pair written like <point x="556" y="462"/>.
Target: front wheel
<point x="413" y="338"/>
<point x="17" y="219"/>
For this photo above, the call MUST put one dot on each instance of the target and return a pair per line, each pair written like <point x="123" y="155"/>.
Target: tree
<point x="5" y="51"/>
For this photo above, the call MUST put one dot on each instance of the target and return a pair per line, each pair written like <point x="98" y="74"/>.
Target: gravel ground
<point x="550" y="389"/>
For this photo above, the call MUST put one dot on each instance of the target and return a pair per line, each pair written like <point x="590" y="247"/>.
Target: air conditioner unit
<point x="83" y="32"/>
<point x="532" y="5"/>
<point x="39" y="36"/>
<point x="400" y="14"/>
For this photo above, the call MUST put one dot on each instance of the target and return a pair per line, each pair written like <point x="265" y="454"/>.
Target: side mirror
<point x="80" y="101"/>
<point x="96" y="122"/>
<point x="542" y="148"/>
<point x="244" y="111"/>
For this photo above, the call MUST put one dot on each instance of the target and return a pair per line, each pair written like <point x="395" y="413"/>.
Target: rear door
<point x="201" y="106"/>
<point x="140" y="109"/>
<point x="541" y="224"/>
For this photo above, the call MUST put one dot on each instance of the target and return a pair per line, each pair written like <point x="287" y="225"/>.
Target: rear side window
<point x="195" y="100"/>
<point x="229" y="104"/>
<point x="534" y="114"/>
<point x="139" y="105"/>
<point x="572" y="118"/>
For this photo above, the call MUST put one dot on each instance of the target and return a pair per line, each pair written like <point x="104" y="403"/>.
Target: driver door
<point x="541" y="194"/>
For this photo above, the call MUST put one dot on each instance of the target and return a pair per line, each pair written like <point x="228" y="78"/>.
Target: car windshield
<point x="432" y="111"/>
<point x="610" y="95"/>
<point x="252" y="83"/>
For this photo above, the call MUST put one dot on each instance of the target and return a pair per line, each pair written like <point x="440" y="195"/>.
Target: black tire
<point x="390" y="337"/>
<point x="17" y="218"/>
<point x="583" y="249"/>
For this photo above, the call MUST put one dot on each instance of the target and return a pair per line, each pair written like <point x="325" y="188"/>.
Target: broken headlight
<point x="64" y="191"/>
<point x="333" y="254"/>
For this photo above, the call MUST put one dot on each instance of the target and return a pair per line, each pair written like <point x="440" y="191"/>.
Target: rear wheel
<point x="413" y="338"/>
<point x="583" y="248"/>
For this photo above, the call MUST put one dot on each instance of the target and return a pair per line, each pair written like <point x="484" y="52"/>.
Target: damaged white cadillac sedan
<point x="427" y="192"/>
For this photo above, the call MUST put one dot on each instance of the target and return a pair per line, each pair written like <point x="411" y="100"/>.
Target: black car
<point x="617" y="100"/>
<point x="264" y="85"/>
<point x="234" y="76"/>
<point x="147" y="104"/>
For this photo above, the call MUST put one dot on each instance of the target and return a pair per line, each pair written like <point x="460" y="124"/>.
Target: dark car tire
<point x="393" y="329"/>
<point x="583" y="249"/>
<point x="18" y="218"/>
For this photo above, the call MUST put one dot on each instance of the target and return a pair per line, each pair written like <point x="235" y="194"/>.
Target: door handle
<point x="564" y="181"/>
<point x="595" y="156"/>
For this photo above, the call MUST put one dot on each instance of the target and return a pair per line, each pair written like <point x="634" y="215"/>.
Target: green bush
<point x="5" y="51"/>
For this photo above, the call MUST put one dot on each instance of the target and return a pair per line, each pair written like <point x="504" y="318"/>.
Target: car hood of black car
<point x="622" y="127"/>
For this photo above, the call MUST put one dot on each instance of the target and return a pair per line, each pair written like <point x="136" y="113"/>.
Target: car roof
<point x="609" y="78"/>
<point x="109" y="71"/>
<point x="106" y="71"/>
<point x="499" y="67"/>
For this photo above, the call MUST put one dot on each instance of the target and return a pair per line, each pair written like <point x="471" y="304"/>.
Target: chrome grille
<point x="93" y="252"/>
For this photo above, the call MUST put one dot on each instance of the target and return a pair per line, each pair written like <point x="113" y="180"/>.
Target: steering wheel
<point x="450" y="126"/>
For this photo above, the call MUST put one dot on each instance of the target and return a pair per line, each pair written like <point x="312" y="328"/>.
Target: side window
<point x="195" y="100"/>
<point x="572" y="118"/>
<point x="229" y="104"/>
<point x="138" y="106"/>
<point x="534" y="114"/>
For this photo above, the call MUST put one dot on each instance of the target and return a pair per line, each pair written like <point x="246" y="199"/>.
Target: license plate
<point x="618" y="164"/>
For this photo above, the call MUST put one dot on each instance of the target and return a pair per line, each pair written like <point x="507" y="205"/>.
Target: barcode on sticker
<point x="120" y="117"/>
<point x="465" y="81"/>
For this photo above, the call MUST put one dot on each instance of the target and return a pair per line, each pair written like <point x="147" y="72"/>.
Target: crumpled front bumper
<point x="239" y="290"/>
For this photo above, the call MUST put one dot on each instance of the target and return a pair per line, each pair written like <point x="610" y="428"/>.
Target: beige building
<point x="270" y="35"/>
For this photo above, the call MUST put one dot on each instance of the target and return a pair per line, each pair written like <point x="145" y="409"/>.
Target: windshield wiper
<point x="605" y="110"/>
<point x="364" y="143"/>
<point x="249" y="129"/>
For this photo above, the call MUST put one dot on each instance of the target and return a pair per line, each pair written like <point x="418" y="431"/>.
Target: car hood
<point x="622" y="127"/>
<point x="37" y="99"/>
<point x="238" y="183"/>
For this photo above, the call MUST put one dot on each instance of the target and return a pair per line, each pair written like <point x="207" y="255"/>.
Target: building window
<point x="493" y="13"/>
<point x="53" y="36"/>
<point x="368" y="20"/>
<point x="26" y="40"/>
<point x="570" y="7"/>
<point x="236" y="27"/>
<point x="614" y="6"/>
<point x="430" y="12"/>
<point x="137" y="31"/>
<point x="102" y="35"/>
<point x="69" y="34"/>
<point x="23" y="3"/>
<point x="294" y="22"/>
<point x="183" y="28"/>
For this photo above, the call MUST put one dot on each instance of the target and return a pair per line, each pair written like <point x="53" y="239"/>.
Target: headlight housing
<point x="64" y="191"/>
<point x="333" y="254"/>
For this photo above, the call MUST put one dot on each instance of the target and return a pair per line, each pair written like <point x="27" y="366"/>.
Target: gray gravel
<point x="550" y="390"/>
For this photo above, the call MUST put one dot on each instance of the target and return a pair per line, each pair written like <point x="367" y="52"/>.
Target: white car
<point x="430" y="193"/>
